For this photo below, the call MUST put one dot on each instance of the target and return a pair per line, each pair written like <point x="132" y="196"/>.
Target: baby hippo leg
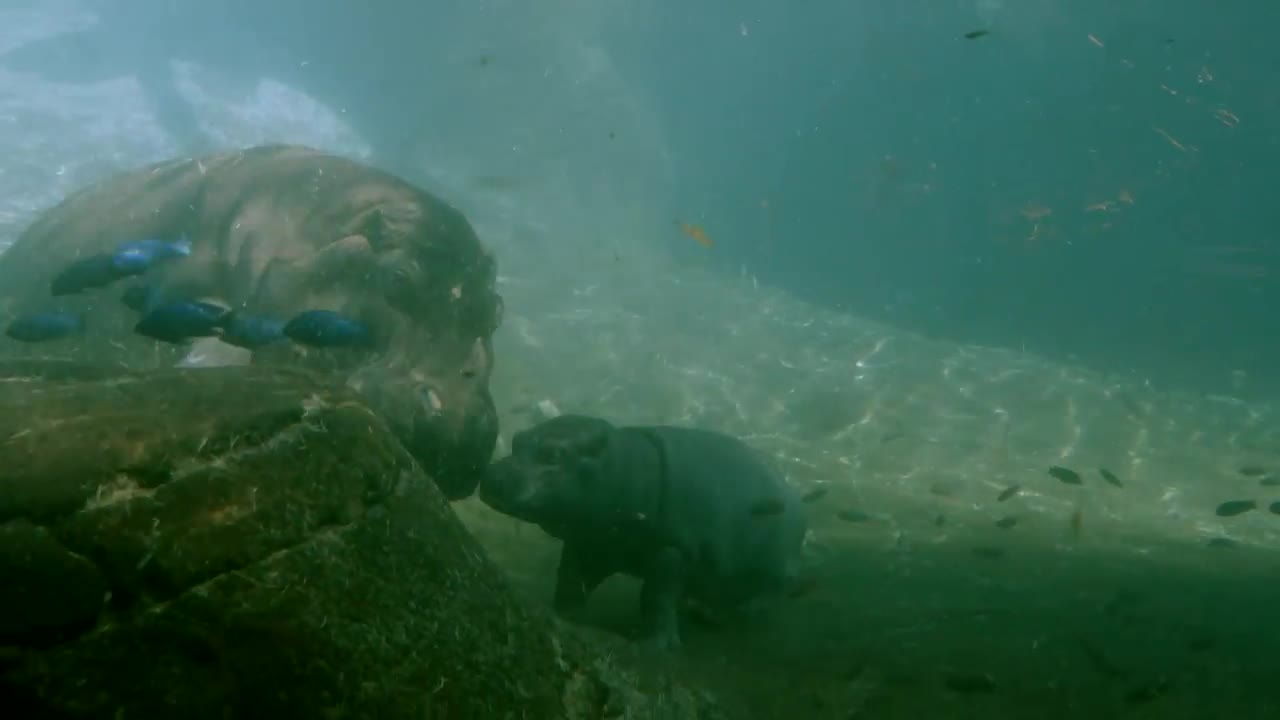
<point x="660" y="600"/>
<point x="578" y="575"/>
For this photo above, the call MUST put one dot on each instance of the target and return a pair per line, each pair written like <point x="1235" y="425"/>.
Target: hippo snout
<point x="454" y="453"/>
<point x="511" y="490"/>
<point x="452" y="434"/>
<point x="499" y="487"/>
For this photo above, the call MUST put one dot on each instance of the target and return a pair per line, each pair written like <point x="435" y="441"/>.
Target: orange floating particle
<point x="698" y="234"/>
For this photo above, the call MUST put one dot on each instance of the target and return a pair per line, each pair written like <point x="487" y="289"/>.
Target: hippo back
<point x="242" y="211"/>
<point x="715" y="486"/>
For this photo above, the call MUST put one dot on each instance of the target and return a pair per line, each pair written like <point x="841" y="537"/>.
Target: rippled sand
<point x="1086" y="598"/>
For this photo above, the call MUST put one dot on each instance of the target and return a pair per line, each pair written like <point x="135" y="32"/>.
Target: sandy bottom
<point x="1130" y="598"/>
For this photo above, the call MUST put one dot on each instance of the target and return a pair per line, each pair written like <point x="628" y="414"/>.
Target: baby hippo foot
<point x="660" y="601"/>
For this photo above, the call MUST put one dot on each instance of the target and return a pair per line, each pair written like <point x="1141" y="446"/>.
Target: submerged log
<point x="253" y="542"/>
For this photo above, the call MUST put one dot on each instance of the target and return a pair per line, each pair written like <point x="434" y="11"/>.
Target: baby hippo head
<point x="552" y="474"/>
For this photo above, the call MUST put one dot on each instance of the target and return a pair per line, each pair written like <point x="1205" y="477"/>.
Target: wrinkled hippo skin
<point x="276" y="230"/>
<point x="671" y="506"/>
<point x="253" y="542"/>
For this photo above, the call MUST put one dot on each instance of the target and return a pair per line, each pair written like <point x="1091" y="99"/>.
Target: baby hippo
<point x="691" y="513"/>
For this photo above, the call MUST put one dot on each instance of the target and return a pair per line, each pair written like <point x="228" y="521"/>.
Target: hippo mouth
<point x="455" y="459"/>
<point x="501" y="489"/>
<point x="452" y="436"/>
<point x="519" y="489"/>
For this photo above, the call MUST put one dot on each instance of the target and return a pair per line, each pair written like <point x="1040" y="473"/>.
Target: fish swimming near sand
<point x="327" y="329"/>
<point x="88" y="273"/>
<point x="178" y="322"/>
<point x="128" y="260"/>
<point x="43" y="327"/>
<point x="251" y="331"/>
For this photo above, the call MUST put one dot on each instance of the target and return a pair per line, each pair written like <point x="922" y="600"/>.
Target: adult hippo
<point x="274" y="231"/>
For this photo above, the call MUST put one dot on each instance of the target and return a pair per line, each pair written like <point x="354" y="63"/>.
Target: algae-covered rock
<point x="254" y="542"/>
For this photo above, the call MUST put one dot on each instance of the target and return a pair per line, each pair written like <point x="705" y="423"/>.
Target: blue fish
<point x="251" y="331"/>
<point x="92" y="272"/>
<point x="128" y="264"/>
<point x="128" y="259"/>
<point x="153" y="250"/>
<point x="139" y="298"/>
<point x="325" y="328"/>
<point x="43" y="327"/>
<point x="178" y="322"/>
